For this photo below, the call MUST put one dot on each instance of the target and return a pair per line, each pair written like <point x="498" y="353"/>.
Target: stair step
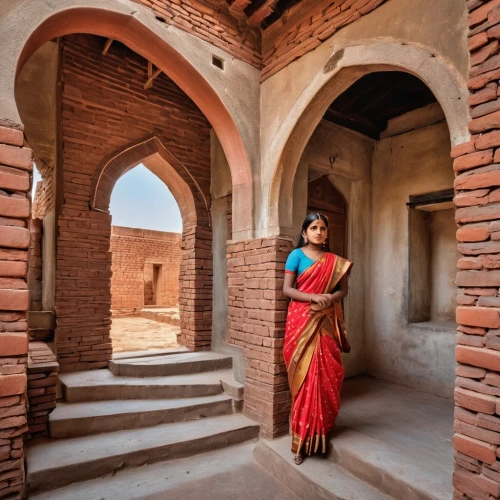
<point x="225" y="474"/>
<point x="315" y="478"/>
<point x="83" y="419"/>
<point x="100" y="385"/>
<point x="77" y="459"/>
<point x="172" y="364"/>
<point x="393" y="471"/>
<point x="149" y="353"/>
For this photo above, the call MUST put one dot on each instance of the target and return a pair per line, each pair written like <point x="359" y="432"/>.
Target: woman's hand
<point x="323" y="300"/>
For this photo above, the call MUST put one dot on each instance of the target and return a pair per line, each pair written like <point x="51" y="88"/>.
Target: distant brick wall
<point x="257" y="316"/>
<point x="44" y="195"/>
<point x="134" y="251"/>
<point x="306" y="26"/>
<point x="105" y="109"/>
<point x="477" y="393"/>
<point x="212" y="21"/>
<point x="35" y="264"/>
<point x="15" y="173"/>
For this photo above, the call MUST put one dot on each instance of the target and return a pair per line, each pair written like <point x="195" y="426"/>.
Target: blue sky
<point x="140" y="199"/>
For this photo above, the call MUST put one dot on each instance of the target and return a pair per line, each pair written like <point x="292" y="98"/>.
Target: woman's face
<point x="317" y="232"/>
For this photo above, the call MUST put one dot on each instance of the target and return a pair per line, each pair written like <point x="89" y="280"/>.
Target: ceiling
<point x="368" y="104"/>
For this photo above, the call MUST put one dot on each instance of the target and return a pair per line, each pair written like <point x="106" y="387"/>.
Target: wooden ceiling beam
<point x="107" y="45"/>
<point x="264" y="10"/>
<point x="239" y="5"/>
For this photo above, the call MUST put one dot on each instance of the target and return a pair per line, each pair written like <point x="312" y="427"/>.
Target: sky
<point x="141" y="200"/>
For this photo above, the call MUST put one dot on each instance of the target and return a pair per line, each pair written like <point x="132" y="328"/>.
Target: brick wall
<point x="35" y="264"/>
<point x="105" y="109"/>
<point x="257" y="316"/>
<point x="477" y="184"/>
<point x="15" y="170"/>
<point x="212" y="21"/>
<point x="305" y="26"/>
<point x="44" y="195"/>
<point x="42" y="382"/>
<point x="134" y="251"/>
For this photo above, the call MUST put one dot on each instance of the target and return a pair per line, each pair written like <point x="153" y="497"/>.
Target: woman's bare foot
<point x="298" y="459"/>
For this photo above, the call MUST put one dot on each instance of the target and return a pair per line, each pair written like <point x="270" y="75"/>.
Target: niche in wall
<point x="432" y="258"/>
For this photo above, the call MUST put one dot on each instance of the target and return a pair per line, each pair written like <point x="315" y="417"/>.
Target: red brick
<point x="13" y="269"/>
<point x="475" y="448"/>
<point x="473" y="160"/>
<point x="14" y="237"/>
<point x="480" y="481"/>
<point x="482" y="357"/>
<point x="12" y="384"/>
<point x="14" y="179"/>
<point x="478" y="316"/>
<point x="11" y="136"/>
<point x="13" y="344"/>
<point x="14" y="300"/>
<point x="466" y="233"/>
<point x="16" y="157"/>
<point x="14" y="207"/>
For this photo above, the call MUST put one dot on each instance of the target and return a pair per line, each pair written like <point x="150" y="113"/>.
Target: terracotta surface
<point x="132" y="333"/>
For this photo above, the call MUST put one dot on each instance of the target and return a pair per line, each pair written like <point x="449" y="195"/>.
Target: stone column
<point x="476" y="163"/>
<point x="257" y="315"/>
<point x="15" y="181"/>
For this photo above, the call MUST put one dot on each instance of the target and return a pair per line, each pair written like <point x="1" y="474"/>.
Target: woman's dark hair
<point x="307" y="222"/>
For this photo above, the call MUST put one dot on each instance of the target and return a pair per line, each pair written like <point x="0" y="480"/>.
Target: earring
<point x="306" y="240"/>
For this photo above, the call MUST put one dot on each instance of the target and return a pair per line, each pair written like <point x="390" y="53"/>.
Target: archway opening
<point x="146" y="237"/>
<point x="383" y="147"/>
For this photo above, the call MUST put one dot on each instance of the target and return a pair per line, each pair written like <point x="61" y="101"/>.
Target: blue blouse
<point x="298" y="262"/>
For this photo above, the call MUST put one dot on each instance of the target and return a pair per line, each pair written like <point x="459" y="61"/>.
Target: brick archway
<point x="344" y="67"/>
<point x="189" y="66"/>
<point x="194" y="287"/>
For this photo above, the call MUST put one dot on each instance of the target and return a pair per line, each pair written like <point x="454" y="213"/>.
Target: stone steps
<point x="316" y="478"/>
<point x="225" y="474"/>
<point x="99" y="385"/>
<point x="86" y="418"/>
<point x="172" y="364"/>
<point x="391" y="470"/>
<point x="56" y="463"/>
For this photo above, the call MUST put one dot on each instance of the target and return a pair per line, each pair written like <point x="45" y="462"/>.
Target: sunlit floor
<point x="133" y="333"/>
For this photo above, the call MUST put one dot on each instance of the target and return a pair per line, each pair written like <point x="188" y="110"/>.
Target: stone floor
<point x="133" y="333"/>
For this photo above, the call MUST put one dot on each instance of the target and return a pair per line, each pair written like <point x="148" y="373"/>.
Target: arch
<point x="155" y="156"/>
<point x="176" y="53"/>
<point x="345" y="66"/>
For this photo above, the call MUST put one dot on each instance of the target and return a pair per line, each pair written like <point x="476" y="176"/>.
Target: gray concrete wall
<point x="417" y="355"/>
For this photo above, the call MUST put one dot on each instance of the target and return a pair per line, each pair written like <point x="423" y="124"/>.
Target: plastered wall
<point x="418" y="355"/>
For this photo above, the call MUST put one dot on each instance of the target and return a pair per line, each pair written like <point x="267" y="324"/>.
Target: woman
<point x="315" y="336"/>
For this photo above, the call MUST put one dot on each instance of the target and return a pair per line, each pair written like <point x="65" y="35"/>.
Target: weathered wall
<point x="418" y="355"/>
<point x="477" y="393"/>
<point x="305" y="26"/>
<point x="105" y="109"/>
<point x="212" y="21"/>
<point x="397" y="35"/>
<point x="350" y="174"/>
<point x="134" y="251"/>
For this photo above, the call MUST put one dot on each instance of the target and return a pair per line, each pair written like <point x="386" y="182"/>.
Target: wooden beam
<point x="151" y="76"/>
<point x="264" y="10"/>
<point x="239" y="5"/>
<point x="107" y="45"/>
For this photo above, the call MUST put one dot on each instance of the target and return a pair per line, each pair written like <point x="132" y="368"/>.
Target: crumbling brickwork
<point x="105" y="109"/>
<point x="42" y="382"/>
<point x="134" y="253"/>
<point x="44" y="193"/>
<point x="257" y="316"/>
<point x="477" y="393"/>
<point x="306" y="26"/>
<point x="212" y="21"/>
<point x="15" y="181"/>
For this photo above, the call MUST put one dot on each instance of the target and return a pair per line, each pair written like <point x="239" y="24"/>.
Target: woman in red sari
<point x="316" y="281"/>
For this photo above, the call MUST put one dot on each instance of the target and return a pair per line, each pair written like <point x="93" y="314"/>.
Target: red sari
<point x="312" y="353"/>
